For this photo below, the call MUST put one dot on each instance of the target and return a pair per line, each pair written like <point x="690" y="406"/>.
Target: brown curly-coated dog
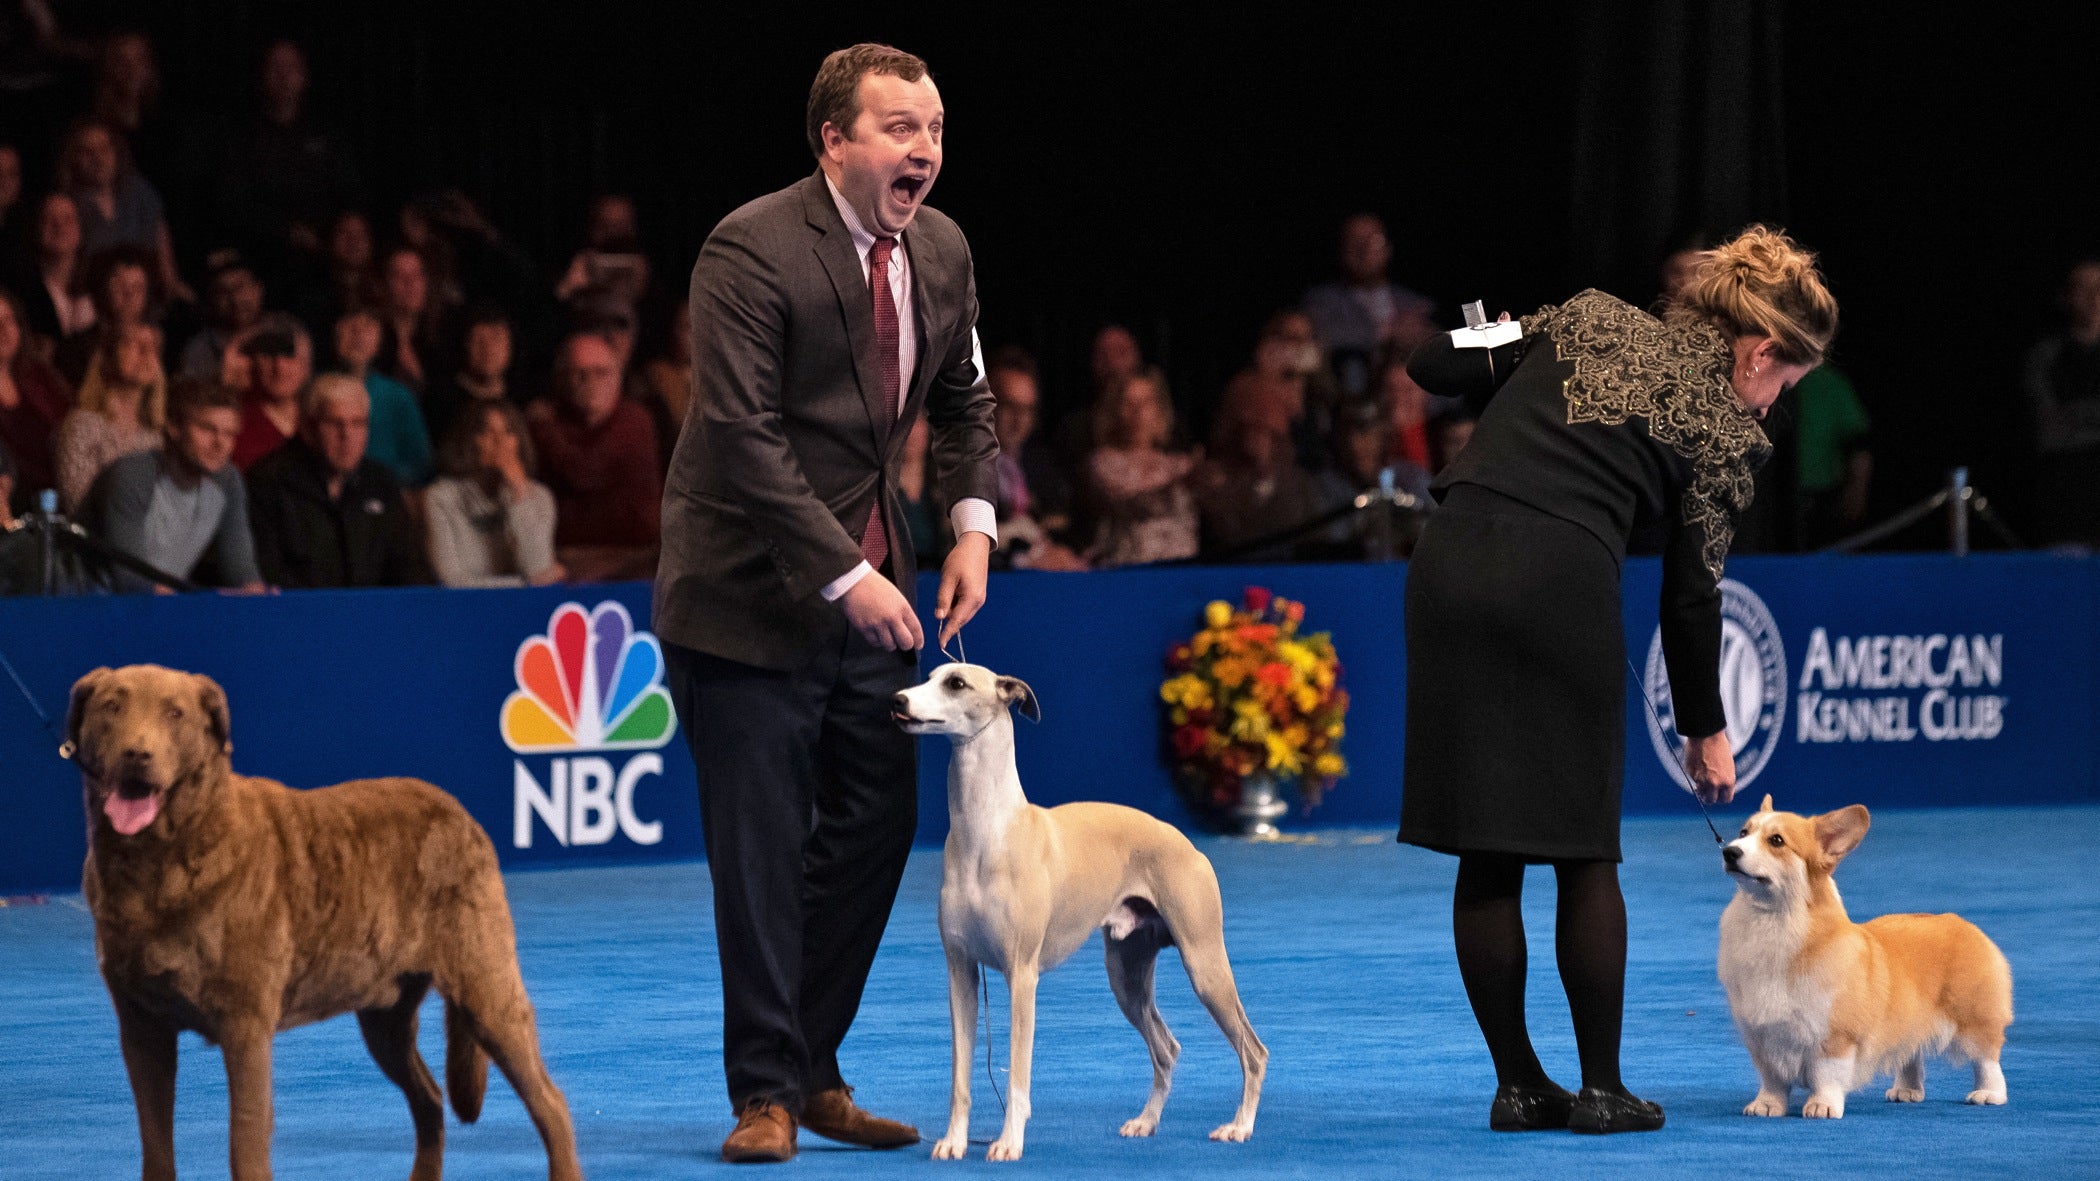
<point x="236" y="907"/>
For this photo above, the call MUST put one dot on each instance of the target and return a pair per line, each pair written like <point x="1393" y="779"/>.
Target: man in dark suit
<point x="826" y="317"/>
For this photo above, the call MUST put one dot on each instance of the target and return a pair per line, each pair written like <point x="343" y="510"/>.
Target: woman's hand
<point x="1710" y="764"/>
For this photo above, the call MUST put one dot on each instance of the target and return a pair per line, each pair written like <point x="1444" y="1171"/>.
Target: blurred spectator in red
<point x="2063" y="405"/>
<point x="283" y="176"/>
<point x="1366" y="315"/>
<point x="1252" y="488"/>
<point x="1283" y="388"/>
<point x="326" y="514"/>
<point x="33" y="400"/>
<point x="1140" y="490"/>
<point x="490" y="522"/>
<point x="118" y="205"/>
<point x="281" y="359"/>
<point x="598" y="454"/>
<point x="233" y="304"/>
<point x="123" y="404"/>
<point x="1407" y="415"/>
<point x="398" y="438"/>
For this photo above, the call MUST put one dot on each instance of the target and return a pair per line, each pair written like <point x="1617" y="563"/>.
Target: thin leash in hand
<point x="65" y="748"/>
<point x="984" y="978"/>
<point x="1642" y="689"/>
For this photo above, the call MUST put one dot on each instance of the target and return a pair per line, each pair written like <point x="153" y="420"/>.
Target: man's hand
<point x="962" y="583"/>
<point x="1710" y="764"/>
<point x="883" y="616"/>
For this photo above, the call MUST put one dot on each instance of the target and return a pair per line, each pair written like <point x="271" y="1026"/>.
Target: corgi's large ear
<point x="1841" y="831"/>
<point x="1767" y="805"/>
<point x="1014" y="689"/>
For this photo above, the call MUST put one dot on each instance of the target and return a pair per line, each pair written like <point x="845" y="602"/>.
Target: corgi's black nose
<point x="1731" y="854"/>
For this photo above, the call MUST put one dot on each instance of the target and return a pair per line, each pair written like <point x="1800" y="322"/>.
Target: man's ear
<point x="76" y="709"/>
<point x="1014" y="689"/>
<point x="1841" y="831"/>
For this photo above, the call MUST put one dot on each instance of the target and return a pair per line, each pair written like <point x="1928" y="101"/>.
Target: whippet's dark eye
<point x="1776" y="841"/>
<point x="957" y="684"/>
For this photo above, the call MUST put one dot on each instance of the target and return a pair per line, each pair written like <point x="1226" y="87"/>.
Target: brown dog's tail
<point x="466" y="1064"/>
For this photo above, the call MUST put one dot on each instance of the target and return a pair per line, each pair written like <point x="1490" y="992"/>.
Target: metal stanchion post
<point x="1958" y="511"/>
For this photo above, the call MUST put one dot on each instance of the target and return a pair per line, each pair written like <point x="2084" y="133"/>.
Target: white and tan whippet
<point x="1022" y="887"/>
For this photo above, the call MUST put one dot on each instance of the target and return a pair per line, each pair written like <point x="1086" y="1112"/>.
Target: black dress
<point x="1601" y="418"/>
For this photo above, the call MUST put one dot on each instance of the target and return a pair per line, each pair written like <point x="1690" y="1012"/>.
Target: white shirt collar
<point x="863" y="241"/>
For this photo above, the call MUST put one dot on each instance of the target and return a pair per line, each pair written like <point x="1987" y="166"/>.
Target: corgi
<point x="1827" y="1004"/>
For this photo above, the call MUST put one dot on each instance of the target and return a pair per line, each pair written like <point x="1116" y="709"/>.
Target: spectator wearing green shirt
<point x="1832" y="463"/>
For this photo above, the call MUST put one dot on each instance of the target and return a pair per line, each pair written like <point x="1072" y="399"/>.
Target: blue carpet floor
<point x="1342" y="949"/>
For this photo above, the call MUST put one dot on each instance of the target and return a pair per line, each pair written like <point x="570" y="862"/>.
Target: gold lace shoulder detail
<point x="1627" y="365"/>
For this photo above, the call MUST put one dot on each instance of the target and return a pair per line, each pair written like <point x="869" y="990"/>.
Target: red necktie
<point x="875" y="540"/>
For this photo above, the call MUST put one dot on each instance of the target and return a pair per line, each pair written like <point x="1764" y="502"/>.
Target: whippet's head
<point x="960" y="700"/>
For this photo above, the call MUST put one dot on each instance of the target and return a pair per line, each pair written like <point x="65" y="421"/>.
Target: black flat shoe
<point x="1600" y="1113"/>
<point x="1531" y="1109"/>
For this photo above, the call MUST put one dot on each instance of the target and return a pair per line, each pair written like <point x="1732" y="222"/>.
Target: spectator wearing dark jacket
<point x="326" y="515"/>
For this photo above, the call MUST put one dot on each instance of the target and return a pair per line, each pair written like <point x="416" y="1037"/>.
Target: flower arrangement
<point x="1249" y="694"/>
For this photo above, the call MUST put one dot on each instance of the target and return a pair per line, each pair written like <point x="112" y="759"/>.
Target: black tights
<point x="1590" y="942"/>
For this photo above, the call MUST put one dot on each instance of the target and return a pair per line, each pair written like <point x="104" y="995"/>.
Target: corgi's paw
<point x="1903" y="1094"/>
<point x="1140" y="1126"/>
<point x="1988" y="1098"/>
<point x="1232" y="1133"/>
<point x="1768" y="1105"/>
<point x="951" y="1148"/>
<point x="1820" y="1107"/>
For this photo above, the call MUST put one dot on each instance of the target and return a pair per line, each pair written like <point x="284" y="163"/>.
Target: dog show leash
<point x="1655" y="717"/>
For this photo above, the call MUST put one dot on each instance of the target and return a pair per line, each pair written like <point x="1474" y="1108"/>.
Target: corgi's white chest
<point x="1783" y="1013"/>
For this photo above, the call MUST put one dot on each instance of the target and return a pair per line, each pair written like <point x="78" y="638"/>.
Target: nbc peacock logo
<point x="591" y="683"/>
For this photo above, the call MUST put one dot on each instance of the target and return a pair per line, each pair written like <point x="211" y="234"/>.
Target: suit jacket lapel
<point x="834" y="248"/>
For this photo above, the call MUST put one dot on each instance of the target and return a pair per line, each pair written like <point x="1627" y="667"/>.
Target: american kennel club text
<point x="1946" y="667"/>
<point x="592" y="683"/>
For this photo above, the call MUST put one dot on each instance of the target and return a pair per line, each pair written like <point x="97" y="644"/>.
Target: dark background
<point x="1183" y="172"/>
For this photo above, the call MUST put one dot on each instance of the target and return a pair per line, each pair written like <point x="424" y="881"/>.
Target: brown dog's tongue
<point x="129" y="816"/>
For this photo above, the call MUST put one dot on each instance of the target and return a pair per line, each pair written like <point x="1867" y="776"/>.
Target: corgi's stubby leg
<point x="1990" y="1083"/>
<point x="1829" y="1077"/>
<point x="1910" y="1082"/>
<point x="962" y="1015"/>
<point x="1774" y="1090"/>
<point x="1020" y="983"/>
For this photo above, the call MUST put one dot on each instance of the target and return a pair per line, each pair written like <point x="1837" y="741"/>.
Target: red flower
<point x="1257" y="599"/>
<point x="1275" y="673"/>
<point x="1179" y="659"/>
<point x="1202" y="718"/>
<point x="1188" y="741"/>
<point x="1295" y="612"/>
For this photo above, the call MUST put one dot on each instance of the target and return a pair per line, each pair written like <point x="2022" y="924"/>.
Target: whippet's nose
<point x="1731" y="854"/>
<point x="899" y="705"/>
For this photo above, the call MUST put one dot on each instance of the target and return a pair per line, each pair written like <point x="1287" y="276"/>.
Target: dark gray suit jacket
<point x="787" y="444"/>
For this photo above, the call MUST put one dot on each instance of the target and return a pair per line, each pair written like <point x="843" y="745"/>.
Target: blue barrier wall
<point x="1889" y="681"/>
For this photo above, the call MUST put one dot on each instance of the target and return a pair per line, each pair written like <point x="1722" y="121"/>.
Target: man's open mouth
<point x="906" y="189"/>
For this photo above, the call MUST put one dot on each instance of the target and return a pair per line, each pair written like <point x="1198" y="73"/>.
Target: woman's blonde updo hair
<point x="1762" y="283"/>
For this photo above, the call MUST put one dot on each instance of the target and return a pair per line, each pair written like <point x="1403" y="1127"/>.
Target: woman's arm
<point x="1691" y="642"/>
<point x="1471" y="374"/>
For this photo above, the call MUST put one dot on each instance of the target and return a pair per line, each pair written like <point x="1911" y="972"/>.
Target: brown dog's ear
<point x="1841" y="831"/>
<point x="1013" y="689"/>
<point x="83" y="692"/>
<point x="1768" y="804"/>
<point x="213" y="701"/>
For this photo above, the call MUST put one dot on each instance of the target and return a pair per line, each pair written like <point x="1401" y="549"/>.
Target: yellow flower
<point x="1283" y="757"/>
<point x="1306" y="698"/>
<point x="1231" y="672"/>
<point x="1329" y="766"/>
<point x="1188" y="691"/>
<point x="1217" y="614"/>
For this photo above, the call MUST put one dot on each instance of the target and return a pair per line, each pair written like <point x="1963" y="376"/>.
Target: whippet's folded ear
<point x="1013" y="689"/>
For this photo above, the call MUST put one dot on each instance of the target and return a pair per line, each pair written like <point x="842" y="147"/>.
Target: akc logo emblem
<point x="1753" y="688"/>
<point x="592" y="683"/>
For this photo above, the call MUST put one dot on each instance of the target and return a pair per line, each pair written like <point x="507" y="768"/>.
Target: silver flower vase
<point x="1260" y="806"/>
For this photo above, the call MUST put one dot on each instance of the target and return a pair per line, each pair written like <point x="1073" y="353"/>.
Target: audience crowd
<point x="284" y="387"/>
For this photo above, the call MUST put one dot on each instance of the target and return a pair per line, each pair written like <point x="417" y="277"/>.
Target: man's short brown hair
<point x="189" y="395"/>
<point x="834" y="97"/>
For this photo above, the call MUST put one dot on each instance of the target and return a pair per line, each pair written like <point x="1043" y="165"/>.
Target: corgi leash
<point x="1657" y="719"/>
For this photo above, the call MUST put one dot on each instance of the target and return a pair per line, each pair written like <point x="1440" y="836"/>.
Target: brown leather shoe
<point x="833" y="1115"/>
<point x="765" y="1134"/>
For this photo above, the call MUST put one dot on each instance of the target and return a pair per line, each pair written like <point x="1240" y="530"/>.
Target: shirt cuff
<point x="974" y="514"/>
<point x="845" y="582"/>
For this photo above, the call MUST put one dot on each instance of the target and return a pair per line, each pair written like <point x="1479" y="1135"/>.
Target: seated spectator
<point x="1251" y="489"/>
<point x="1140" y="490"/>
<point x="611" y="266"/>
<point x="1112" y="360"/>
<point x="667" y="370"/>
<point x="118" y="207"/>
<point x="33" y="400"/>
<point x="283" y="175"/>
<point x="183" y="509"/>
<point x="233" y="304"/>
<point x="1366" y="315"/>
<point x="1408" y="409"/>
<point x="1832" y="465"/>
<point x="466" y="258"/>
<point x="123" y="405"/>
<point x="490" y="522"/>
<point x="398" y="438"/>
<point x="127" y="97"/>
<point x="598" y="454"/>
<point x="413" y="316"/>
<point x="120" y="283"/>
<point x="1283" y="388"/>
<point x="280" y="357"/>
<point x="1035" y="505"/>
<point x="344" y="275"/>
<point x="325" y="515"/>
<point x="484" y="374"/>
<point x="52" y="279"/>
<point x="1361" y="464"/>
<point x="2063" y="413"/>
